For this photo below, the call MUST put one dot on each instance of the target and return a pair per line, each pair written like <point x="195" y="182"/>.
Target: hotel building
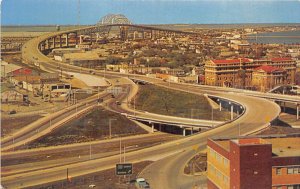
<point x="238" y="73"/>
<point x="260" y="163"/>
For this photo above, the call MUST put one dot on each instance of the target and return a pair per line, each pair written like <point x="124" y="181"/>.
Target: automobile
<point x="141" y="182"/>
<point x="118" y="102"/>
<point x="112" y="96"/>
<point x="144" y="185"/>
<point x="92" y="186"/>
<point x="12" y="112"/>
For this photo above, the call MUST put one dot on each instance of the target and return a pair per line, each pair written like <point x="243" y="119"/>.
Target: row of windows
<point x="290" y="170"/>
<point x="297" y="186"/>
<point x="218" y="174"/>
<point x="218" y="157"/>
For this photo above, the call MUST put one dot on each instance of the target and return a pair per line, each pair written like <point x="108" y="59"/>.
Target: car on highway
<point x="141" y="183"/>
<point x="12" y="112"/>
<point x="118" y="102"/>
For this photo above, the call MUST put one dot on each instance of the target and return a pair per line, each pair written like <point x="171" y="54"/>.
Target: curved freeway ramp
<point x="167" y="175"/>
<point x="168" y="171"/>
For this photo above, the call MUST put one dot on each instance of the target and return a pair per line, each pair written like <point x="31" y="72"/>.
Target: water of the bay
<point x="286" y="37"/>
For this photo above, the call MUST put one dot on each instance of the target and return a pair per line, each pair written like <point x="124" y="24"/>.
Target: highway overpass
<point x="258" y="114"/>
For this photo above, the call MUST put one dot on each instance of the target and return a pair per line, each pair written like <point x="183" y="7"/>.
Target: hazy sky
<point x="26" y="12"/>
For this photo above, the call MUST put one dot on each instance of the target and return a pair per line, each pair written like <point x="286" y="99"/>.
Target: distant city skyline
<point x="65" y="12"/>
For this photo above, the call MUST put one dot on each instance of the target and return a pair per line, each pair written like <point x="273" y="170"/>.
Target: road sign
<point x="124" y="169"/>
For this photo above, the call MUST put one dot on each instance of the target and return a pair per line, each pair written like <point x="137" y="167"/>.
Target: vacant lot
<point x="10" y="125"/>
<point x="176" y="103"/>
<point x="92" y="126"/>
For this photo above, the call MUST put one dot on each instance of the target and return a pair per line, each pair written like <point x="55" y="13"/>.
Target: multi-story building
<point x="238" y="72"/>
<point x="265" y="78"/>
<point x="247" y="163"/>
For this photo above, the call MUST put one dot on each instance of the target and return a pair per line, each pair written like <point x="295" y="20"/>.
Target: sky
<point x="65" y="12"/>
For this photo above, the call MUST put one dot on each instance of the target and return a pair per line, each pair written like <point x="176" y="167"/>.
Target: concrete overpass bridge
<point x="71" y="38"/>
<point x="252" y="119"/>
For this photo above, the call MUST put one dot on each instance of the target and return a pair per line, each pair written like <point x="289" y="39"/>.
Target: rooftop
<point x="231" y="61"/>
<point x="289" y="146"/>
<point x="269" y="69"/>
<point x="281" y="59"/>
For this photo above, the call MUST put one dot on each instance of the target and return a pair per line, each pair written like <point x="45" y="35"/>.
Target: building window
<point x="290" y="170"/>
<point x="225" y="162"/>
<point x="278" y="171"/>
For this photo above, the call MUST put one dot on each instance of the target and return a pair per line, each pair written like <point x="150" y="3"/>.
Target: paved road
<point x="254" y="118"/>
<point x="49" y="157"/>
<point x="249" y="121"/>
<point x="39" y="127"/>
<point x="259" y="113"/>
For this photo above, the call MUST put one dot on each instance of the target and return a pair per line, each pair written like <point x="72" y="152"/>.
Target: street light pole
<point x="120" y="149"/>
<point x="125" y="150"/>
<point x="110" y="127"/>
<point x="90" y="151"/>
<point x="212" y="116"/>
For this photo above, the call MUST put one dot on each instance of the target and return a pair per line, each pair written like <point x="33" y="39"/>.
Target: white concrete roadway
<point x="259" y="113"/>
<point x="17" y="138"/>
<point x="248" y="122"/>
<point x="90" y="80"/>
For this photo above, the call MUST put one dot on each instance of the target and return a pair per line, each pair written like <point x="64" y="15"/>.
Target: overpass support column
<point x="183" y="131"/>
<point x="67" y="40"/>
<point x="60" y="42"/>
<point x="48" y="44"/>
<point x="231" y="110"/>
<point x="54" y="42"/>
<point x="152" y="127"/>
<point x="159" y="127"/>
<point x="297" y="113"/>
<point x="192" y="130"/>
<point x="80" y="39"/>
<point x="220" y="106"/>
<point x="152" y="34"/>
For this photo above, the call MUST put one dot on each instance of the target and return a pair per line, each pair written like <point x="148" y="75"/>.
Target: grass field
<point x="165" y="101"/>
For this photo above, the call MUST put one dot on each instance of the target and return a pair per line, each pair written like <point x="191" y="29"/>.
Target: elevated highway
<point x="258" y="113"/>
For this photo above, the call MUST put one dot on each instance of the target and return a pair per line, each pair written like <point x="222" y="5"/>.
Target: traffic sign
<point x="124" y="169"/>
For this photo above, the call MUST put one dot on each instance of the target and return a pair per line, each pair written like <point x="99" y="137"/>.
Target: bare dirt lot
<point x="95" y="125"/>
<point x="11" y="124"/>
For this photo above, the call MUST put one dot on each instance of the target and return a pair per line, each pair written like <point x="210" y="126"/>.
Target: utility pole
<point x="110" y="127"/>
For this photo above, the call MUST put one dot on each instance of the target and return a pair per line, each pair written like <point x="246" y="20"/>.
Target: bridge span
<point x="258" y="114"/>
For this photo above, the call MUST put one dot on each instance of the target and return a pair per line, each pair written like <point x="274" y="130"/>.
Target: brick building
<point x="265" y="78"/>
<point x="237" y="73"/>
<point x="248" y="163"/>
